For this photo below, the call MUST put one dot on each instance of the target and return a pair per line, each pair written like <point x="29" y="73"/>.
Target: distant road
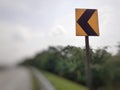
<point x="15" y="79"/>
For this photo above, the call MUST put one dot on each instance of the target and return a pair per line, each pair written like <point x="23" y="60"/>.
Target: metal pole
<point x="87" y="64"/>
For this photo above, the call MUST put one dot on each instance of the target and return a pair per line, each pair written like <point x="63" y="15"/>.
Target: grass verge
<point x="63" y="84"/>
<point x="35" y="82"/>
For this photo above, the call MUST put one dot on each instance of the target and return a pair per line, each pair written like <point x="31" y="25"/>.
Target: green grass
<point x="35" y="83"/>
<point x="34" y="80"/>
<point x="63" y="84"/>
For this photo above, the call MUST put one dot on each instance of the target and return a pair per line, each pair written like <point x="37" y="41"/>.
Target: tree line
<point x="68" y="62"/>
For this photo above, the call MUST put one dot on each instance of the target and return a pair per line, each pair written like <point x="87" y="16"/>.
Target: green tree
<point x="101" y="69"/>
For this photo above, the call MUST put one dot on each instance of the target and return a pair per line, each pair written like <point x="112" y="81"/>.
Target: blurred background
<point x="40" y="51"/>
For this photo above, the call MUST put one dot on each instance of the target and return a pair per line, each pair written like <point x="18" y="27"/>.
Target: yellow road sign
<point x="87" y="22"/>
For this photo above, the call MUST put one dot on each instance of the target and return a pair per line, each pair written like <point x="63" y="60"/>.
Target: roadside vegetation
<point x="62" y="83"/>
<point x="35" y="81"/>
<point x="68" y="62"/>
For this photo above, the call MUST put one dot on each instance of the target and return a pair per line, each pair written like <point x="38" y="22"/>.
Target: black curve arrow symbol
<point x="83" y="22"/>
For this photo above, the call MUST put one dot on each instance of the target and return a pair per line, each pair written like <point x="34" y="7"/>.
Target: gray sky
<point x="29" y="26"/>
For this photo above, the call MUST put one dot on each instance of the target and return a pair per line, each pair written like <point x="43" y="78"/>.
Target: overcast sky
<point x="29" y="26"/>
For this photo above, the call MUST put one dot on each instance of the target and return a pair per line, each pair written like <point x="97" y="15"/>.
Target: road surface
<point x="20" y="78"/>
<point x="15" y="79"/>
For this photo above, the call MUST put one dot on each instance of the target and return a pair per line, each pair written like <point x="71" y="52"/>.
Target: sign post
<point x="87" y="25"/>
<point x="87" y="64"/>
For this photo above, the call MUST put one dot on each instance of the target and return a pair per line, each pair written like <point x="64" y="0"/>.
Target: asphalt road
<point x="20" y="78"/>
<point x="15" y="79"/>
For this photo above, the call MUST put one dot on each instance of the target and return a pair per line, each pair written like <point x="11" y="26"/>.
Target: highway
<point x="15" y="79"/>
<point x="20" y="78"/>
